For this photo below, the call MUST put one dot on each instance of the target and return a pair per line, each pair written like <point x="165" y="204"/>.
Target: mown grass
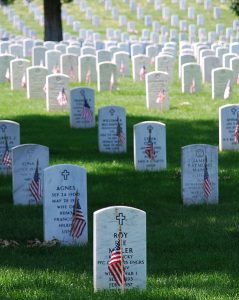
<point x="192" y="252"/>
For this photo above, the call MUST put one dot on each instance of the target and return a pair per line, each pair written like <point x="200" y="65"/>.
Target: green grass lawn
<point x="192" y="252"/>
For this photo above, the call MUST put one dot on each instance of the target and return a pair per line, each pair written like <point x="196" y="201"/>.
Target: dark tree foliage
<point x="235" y="6"/>
<point x="52" y="17"/>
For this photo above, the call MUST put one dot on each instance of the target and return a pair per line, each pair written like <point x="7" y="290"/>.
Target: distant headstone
<point x="121" y="59"/>
<point x="208" y="64"/>
<point x="18" y="73"/>
<point x="183" y="59"/>
<point x="28" y="162"/>
<point x="65" y="204"/>
<point x="149" y="146"/>
<point x="234" y="66"/>
<point x="222" y="79"/>
<point x="140" y="67"/>
<point x="106" y="76"/>
<point x="191" y="78"/>
<point x="9" y="137"/>
<point x="16" y="50"/>
<point x="69" y="66"/>
<point x="165" y="63"/>
<point x="38" y="55"/>
<point x="36" y="81"/>
<point x="52" y="61"/>
<point x="229" y="127"/>
<point x="87" y="69"/>
<point x="199" y="174"/>
<point x="5" y="67"/>
<point x="57" y="92"/>
<point x="103" y="55"/>
<point x="119" y="229"/>
<point x="112" y="129"/>
<point x="157" y="84"/>
<point x="82" y="108"/>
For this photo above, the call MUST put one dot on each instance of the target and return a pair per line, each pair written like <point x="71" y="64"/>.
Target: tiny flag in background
<point x="7" y="74"/>
<point x="227" y="91"/>
<point x="112" y="81"/>
<point x="35" y="185"/>
<point x="193" y="86"/>
<point x="116" y="265"/>
<point x="56" y="69"/>
<point x="61" y="98"/>
<point x="142" y="73"/>
<point x="161" y="96"/>
<point x="6" y="159"/>
<point x="122" y="68"/>
<point x="236" y="131"/>
<point x="119" y="133"/>
<point x="23" y="81"/>
<point x="207" y="187"/>
<point x="72" y="73"/>
<point x="78" y="221"/>
<point x="88" y="76"/>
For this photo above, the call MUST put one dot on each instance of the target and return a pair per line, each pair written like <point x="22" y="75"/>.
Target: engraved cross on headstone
<point x="65" y="174"/>
<point x="120" y="218"/>
<point x="3" y="128"/>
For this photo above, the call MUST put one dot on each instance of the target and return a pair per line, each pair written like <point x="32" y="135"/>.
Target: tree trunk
<point x="53" y="24"/>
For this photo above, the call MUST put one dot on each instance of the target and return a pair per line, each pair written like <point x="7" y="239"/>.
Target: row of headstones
<point x="131" y="27"/>
<point x="218" y="65"/>
<point x="149" y="152"/>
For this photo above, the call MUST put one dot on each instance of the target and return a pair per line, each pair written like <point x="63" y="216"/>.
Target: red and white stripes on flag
<point x="24" y="81"/>
<point x="78" y="221"/>
<point x="116" y="265"/>
<point x="56" y="69"/>
<point x="72" y="73"/>
<point x="161" y="96"/>
<point x="87" y="113"/>
<point x="142" y="73"/>
<point x="119" y="133"/>
<point x="227" y="91"/>
<point x="6" y="159"/>
<point x="122" y="68"/>
<point x="236" y="131"/>
<point x="62" y="98"/>
<point x="207" y="186"/>
<point x="35" y="185"/>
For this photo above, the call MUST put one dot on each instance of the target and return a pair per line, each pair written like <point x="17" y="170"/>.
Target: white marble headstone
<point x="64" y="186"/>
<point x="229" y="127"/>
<point x="87" y="69"/>
<point x="199" y="178"/>
<point x="191" y="78"/>
<point x="106" y="76"/>
<point x="18" y="73"/>
<point x="150" y="146"/>
<point x="27" y="161"/>
<point x="126" y="225"/>
<point x="9" y="137"/>
<point x="112" y="129"/>
<point x="36" y="80"/>
<point x="222" y="79"/>
<point x="82" y="108"/>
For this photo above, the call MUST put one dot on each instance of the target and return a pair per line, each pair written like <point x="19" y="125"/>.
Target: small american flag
<point x="142" y="73"/>
<point x="207" y="187"/>
<point x="88" y="76"/>
<point x="61" y="98"/>
<point x="78" y="221"/>
<point x="7" y="75"/>
<point x="227" y="91"/>
<point x="56" y="69"/>
<point x="119" y="133"/>
<point x="161" y="96"/>
<point x="6" y="159"/>
<point x="116" y="265"/>
<point x="87" y="113"/>
<point x="23" y="81"/>
<point x="112" y="81"/>
<point x="35" y="185"/>
<point x="149" y="150"/>
<point x="192" y="88"/>
<point x="72" y="73"/>
<point x="236" y="131"/>
<point x="122" y="68"/>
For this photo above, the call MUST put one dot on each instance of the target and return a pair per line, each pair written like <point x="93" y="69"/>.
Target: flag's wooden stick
<point x="122" y="261"/>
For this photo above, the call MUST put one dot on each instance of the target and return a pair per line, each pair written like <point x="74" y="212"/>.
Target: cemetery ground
<point x="192" y="252"/>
